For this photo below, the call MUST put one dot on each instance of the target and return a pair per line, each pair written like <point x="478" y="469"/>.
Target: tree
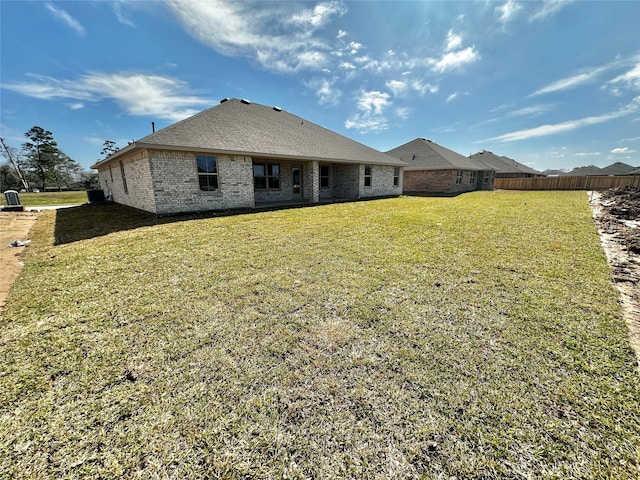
<point x="41" y="151"/>
<point x="9" y="179"/>
<point x="46" y="160"/>
<point x="109" y="148"/>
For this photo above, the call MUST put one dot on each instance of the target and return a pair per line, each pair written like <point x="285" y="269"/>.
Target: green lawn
<point x="50" y="198"/>
<point x="470" y="337"/>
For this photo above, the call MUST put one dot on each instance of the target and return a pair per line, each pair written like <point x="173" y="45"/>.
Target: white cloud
<point x="373" y="102"/>
<point x="118" y="10"/>
<point x="531" y="111"/>
<point x="507" y="11"/>
<point x="137" y="94"/>
<point x="397" y="87"/>
<point x="370" y="117"/>
<point x="549" y="7"/>
<point x="623" y="150"/>
<point x="320" y="14"/>
<point x="76" y="106"/>
<point x="454" y="60"/>
<point x="570" y="82"/>
<point x="65" y="18"/>
<point x="266" y="31"/>
<point x="325" y="91"/>
<point x="341" y="34"/>
<point x="453" y="41"/>
<point x="587" y="154"/>
<point x="423" y="88"/>
<point x="631" y="79"/>
<point x="545" y="130"/>
<point x="451" y="97"/>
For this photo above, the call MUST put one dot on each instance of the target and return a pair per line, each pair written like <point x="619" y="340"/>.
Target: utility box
<point x="12" y="198"/>
<point x="95" y="195"/>
<point x="13" y="202"/>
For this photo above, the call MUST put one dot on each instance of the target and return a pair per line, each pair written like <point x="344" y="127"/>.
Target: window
<point x="111" y="173"/>
<point x="486" y="178"/>
<point x="458" y="177"/>
<point x="124" y="179"/>
<point x="472" y="178"/>
<point x="207" y="172"/>
<point x="266" y="176"/>
<point x="396" y="176"/>
<point x="324" y="176"/>
<point x="367" y="175"/>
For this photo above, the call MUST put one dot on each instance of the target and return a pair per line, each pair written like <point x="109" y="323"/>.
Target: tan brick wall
<point x="441" y="181"/>
<point x="176" y="186"/>
<point x="139" y="193"/>
<point x="381" y="182"/>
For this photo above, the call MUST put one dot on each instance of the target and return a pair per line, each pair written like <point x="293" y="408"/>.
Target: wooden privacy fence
<point x="567" y="183"/>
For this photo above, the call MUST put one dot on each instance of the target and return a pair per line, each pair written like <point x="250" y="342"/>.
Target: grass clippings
<point x="470" y="337"/>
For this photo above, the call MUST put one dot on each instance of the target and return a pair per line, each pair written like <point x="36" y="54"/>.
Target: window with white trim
<point x="396" y="176"/>
<point x="207" y="172"/>
<point x="472" y="178"/>
<point x="458" y="177"/>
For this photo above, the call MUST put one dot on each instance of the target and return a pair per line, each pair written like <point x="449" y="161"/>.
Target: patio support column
<point x="313" y="179"/>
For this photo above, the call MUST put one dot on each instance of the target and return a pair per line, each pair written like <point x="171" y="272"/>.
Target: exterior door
<point x="296" y="181"/>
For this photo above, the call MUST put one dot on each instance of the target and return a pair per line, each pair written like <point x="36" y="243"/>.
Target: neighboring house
<point x="618" y="168"/>
<point x="589" y="170"/>
<point x="432" y="168"/>
<point x="505" y="167"/>
<point x="238" y="155"/>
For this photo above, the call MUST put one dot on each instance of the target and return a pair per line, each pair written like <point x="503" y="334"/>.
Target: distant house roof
<point x="554" y="173"/>
<point x="634" y="172"/>
<point x="243" y="128"/>
<point x="422" y="154"/>
<point x="617" y="168"/>
<point x="503" y="165"/>
<point x="588" y="170"/>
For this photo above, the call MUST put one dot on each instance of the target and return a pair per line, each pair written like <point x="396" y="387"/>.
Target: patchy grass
<point x="470" y="337"/>
<point x="30" y="199"/>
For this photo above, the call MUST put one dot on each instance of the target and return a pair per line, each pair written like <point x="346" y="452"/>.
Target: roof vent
<point x="245" y="101"/>
<point x="277" y="109"/>
<point x="224" y="100"/>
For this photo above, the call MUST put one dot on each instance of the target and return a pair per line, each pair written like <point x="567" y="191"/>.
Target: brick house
<point x="240" y="154"/>
<point x="505" y="167"/>
<point x="432" y="168"/>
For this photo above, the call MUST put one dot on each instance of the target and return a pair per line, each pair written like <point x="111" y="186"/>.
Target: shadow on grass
<point x="97" y="219"/>
<point x="94" y="220"/>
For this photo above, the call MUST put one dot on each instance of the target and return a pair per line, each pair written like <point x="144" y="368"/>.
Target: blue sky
<point x="553" y="84"/>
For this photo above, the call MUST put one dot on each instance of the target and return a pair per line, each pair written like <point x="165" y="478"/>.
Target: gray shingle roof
<point x="617" y="168"/>
<point x="243" y="128"/>
<point x="503" y="165"/>
<point x="422" y="154"/>
<point x="588" y="170"/>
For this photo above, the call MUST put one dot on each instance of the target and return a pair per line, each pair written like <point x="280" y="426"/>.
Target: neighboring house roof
<point x="243" y="128"/>
<point x="617" y="168"/>
<point x="634" y="172"/>
<point x="554" y="173"/>
<point x="588" y="170"/>
<point x="422" y="154"/>
<point x="503" y="165"/>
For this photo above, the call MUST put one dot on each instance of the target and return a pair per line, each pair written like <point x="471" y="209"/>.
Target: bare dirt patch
<point x="617" y="215"/>
<point x="13" y="226"/>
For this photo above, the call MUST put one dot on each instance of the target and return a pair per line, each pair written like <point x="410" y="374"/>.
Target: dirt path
<point x="13" y="226"/>
<point x="624" y="262"/>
